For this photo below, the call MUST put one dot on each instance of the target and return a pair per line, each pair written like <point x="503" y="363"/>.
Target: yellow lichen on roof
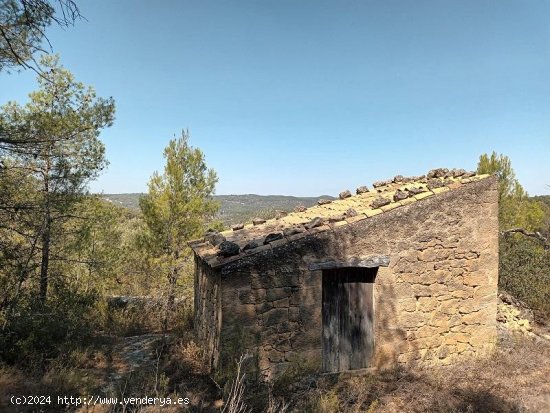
<point x="228" y="246"/>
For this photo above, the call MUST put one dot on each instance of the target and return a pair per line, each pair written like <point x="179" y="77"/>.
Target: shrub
<point x="36" y="332"/>
<point x="524" y="273"/>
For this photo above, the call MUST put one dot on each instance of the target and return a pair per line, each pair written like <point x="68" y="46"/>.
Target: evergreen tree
<point x="177" y="208"/>
<point x="58" y="151"/>
<point x="22" y="29"/>
<point x="516" y="210"/>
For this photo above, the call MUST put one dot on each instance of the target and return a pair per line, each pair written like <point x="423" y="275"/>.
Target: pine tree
<point x="177" y="208"/>
<point x="57" y="149"/>
<point x="516" y="210"/>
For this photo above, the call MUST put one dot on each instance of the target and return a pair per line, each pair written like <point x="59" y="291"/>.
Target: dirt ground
<point x="514" y="379"/>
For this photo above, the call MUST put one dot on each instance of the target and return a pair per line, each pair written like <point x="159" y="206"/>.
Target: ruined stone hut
<point x="403" y="273"/>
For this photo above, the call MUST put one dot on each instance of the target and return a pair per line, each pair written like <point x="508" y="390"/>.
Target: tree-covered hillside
<point x="234" y="208"/>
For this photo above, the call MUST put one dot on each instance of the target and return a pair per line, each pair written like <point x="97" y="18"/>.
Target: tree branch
<point x="537" y="235"/>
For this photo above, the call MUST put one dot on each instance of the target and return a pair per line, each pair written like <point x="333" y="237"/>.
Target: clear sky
<point x="313" y="97"/>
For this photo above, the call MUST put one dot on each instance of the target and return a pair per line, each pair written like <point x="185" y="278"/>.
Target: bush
<point x="34" y="333"/>
<point x="130" y="316"/>
<point x="524" y="272"/>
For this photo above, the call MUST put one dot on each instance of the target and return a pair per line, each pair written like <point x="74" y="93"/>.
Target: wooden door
<point x="348" y="313"/>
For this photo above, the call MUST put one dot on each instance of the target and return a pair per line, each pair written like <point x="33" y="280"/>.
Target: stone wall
<point x="207" y="302"/>
<point x="273" y="312"/>
<point x="434" y="304"/>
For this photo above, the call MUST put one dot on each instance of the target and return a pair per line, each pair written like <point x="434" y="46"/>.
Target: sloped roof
<point x="221" y="248"/>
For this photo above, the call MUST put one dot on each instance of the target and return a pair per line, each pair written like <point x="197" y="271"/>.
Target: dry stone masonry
<point x="431" y="241"/>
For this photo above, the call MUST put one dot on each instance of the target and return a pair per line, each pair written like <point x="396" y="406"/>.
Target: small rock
<point x="351" y="212"/>
<point x="378" y="184"/>
<point x="300" y="208"/>
<point x="214" y="238"/>
<point x="361" y="190"/>
<point x="250" y="246"/>
<point x="287" y="232"/>
<point x="437" y="173"/>
<point x="435" y="183"/>
<point x="228" y="249"/>
<point x="458" y="172"/>
<point x="272" y="237"/>
<point x="280" y="214"/>
<point x="237" y="227"/>
<point x="315" y="222"/>
<point x="400" y="195"/>
<point x="345" y="194"/>
<point x="323" y="201"/>
<point x="415" y="191"/>
<point x="398" y="178"/>
<point x="443" y="352"/>
<point x="380" y="201"/>
<point x="258" y="221"/>
<point x="337" y="218"/>
<point x="469" y="174"/>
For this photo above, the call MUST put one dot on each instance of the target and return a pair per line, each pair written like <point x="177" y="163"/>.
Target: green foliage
<point x="54" y="148"/>
<point x="23" y="24"/>
<point x="502" y="167"/>
<point x="56" y="243"/>
<point x="523" y="262"/>
<point x="516" y="210"/>
<point x="179" y="201"/>
<point x="100" y="246"/>
<point x="35" y="332"/>
<point x="544" y="202"/>
<point x="176" y="209"/>
<point x="524" y="272"/>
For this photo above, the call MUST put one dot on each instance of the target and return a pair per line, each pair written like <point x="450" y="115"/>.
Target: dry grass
<point x="514" y="379"/>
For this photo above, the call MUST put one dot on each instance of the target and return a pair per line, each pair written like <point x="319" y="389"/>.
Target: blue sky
<point x="314" y="97"/>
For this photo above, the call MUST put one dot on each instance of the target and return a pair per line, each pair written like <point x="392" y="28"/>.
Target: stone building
<point x="404" y="273"/>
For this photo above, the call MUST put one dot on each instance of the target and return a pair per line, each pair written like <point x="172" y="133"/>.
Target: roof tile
<point x="423" y="195"/>
<point x="335" y="214"/>
<point x="372" y="212"/>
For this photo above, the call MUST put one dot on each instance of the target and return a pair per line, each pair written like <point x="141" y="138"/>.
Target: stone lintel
<point x="370" y="262"/>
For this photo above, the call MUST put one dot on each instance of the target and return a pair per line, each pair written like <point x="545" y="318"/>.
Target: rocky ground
<point x="514" y="379"/>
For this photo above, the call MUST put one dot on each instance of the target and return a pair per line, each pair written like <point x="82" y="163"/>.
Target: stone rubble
<point x="379" y="202"/>
<point x="345" y="194"/>
<point x="392" y="193"/>
<point x="272" y="237"/>
<point x="228" y="249"/>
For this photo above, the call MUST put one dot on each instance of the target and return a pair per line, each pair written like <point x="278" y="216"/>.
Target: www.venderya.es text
<point x="97" y="400"/>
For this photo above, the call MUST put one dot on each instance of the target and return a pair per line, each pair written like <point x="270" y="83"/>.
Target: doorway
<point x="348" y="314"/>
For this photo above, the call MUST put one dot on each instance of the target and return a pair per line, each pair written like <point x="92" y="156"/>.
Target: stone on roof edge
<point x="215" y="261"/>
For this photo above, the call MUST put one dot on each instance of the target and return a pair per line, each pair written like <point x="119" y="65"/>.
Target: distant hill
<point x="130" y="201"/>
<point x="235" y="208"/>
